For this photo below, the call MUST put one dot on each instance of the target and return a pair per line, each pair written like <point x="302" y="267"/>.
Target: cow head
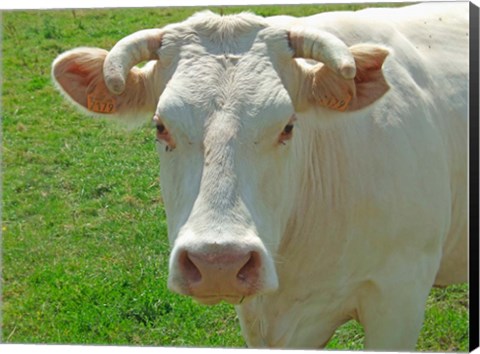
<point x="224" y="93"/>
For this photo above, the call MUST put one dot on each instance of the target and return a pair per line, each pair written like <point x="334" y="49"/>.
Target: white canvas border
<point x="84" y="4"/>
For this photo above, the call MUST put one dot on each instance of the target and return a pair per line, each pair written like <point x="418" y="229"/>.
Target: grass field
<point x="85" y="250"/>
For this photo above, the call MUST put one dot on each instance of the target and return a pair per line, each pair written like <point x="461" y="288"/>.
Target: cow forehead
<point x="215" y="33"/>
<point x="231" y="90"/>
<point x="223" y="64"/>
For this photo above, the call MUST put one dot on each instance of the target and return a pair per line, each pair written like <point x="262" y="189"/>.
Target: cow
<point x="314" y="170"/>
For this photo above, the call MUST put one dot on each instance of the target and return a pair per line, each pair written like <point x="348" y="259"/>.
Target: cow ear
<point x="334" y="92"/>
<point x="78" y="74"/>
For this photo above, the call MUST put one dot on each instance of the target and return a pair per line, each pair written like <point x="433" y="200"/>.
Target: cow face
<point x="223" y="92"/>
<point x="223" y="173"/>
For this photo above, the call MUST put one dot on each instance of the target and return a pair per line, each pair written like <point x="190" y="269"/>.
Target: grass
<point x="85" y="250"/>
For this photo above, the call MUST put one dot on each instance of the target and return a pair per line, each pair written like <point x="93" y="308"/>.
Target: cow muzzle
<point x="212" y="272"/>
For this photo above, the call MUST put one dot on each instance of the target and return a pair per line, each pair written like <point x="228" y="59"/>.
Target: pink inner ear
<point x="370" y="84"/>
<point x="80" y="73"/>
<point x="369" y="62"/>
<point x="332" y="91"/>
<point x="76" y="70"/>
<point x="76" y="78"/>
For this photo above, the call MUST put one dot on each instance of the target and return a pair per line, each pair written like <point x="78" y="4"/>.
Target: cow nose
<point x="219" y="275"/>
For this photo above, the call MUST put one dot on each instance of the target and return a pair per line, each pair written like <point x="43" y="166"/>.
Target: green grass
<point x="85" y="250"/>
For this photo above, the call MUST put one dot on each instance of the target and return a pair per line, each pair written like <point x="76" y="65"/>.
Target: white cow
<point x="314" y="170"/>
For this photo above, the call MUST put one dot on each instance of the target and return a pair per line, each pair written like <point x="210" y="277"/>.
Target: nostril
<point x="189" y="269"/>
<point x="249" y="271"/>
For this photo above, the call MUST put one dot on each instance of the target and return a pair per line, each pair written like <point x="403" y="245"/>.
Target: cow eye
<point x="160" y="128"/>
<point x="286" y="133"/>
<point x="288" y="129"/>
<point x="163" y="134"/>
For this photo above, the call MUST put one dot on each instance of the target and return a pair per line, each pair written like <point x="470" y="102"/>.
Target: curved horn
<point x="323" y="47"/>
<point x="129" y="51"/>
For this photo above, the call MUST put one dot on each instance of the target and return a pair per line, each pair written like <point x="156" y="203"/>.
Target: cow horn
<point x="323" y="47"/>
<point x="129" y="51"/>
